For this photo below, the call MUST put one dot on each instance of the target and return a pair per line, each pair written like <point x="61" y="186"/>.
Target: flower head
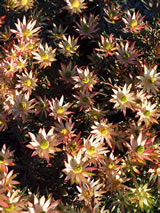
<point x="44" y="144"/>
<point x="127" y="54"/>
<point x="86" y="79"/>
<point x="87" y="26"/>
<point x="26" y="30"/>
<point x="77" y="168"/>
<point x="103" y="131"/>
<point x="58" y="110"/>
<point x="42" y="205"/>
<point x="148" y="113"/>
<point x="68" y="46"/>
<point x="75" y="6"/>
<point x="45" y="55"/>
<point x="123" y="98"/>
<point x="151" y="79"/>
<point x="133" y="22"/>
<point x="113" y="13"/>
<point x="108" y="45"/>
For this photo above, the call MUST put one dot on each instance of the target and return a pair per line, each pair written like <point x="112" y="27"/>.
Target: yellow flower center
<point x="12" y="55"/>
<point x="147" y="113"/>
<point x="68" y="47"/>
<point x="134" y="23"/>
<point x="24" y="2"/>
<point x="44" y="144"/>
<point x="20" y="65"/>
<point x="60" y="110"/>
<point x="68" y="75"/>
<point x="30" y="46"/>
<point x="86" y="28"/>
<point x="138" y="101"/>
<point x="77" y="168"/>
<point x="150" y="80"/>
<point x="45" y="56"/>
<point x="64" y="131"/>
<point x="125" y="55"/>
<point x="85" y="80"/>
<point x="108" y="46"/>
<point x="10" y="209"/>
<point x="110" y="165"/>
<point x="9" y="68"/>
<point x="140" y="149"/>
<point x="75" y="3"/>
<point x="21" y="47"/>
<point x="124" y="99"/>
<point x="22" y="105"/>
<point x="1" y="86"/>
<point x="103" y="131"/>
<point x="1" y="122"/>
<point x="112" y="14"/>
<point x="91" y="150"/>
<point x="85" y="100"/>
<point x="42" y="105"/>
<point x="1" y="159"/>
<point x="27" y="82"/>
<point x="27" y="32"/>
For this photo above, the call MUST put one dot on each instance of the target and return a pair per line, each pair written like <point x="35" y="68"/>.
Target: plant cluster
<point x="79" y="106"/>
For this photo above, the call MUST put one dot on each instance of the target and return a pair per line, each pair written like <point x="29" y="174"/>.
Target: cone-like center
<point x="45" y="56"/>
<point x="9" y="68"/>
<point x="124" y="99"/>
<point x="43" y="212"/>
<point x="30" y="46"/>
<point x="125" y="55"/>
<point x="75" y="3"/>
<point x="24" y="2"/>
<point x="140" y="149"/>
<point x="68" y="47"/>
<point x="27" y="32"/>
<point x="20" y="65"/>
<point x="64" y="131"/>
<point x="150" y="80"/>
<point x="27" y="82"/>
<point x="22" y="105"/>
<point x="22" y="46"/>
<point x="91" y="150"/>
<point x="77" y="168"/>
<point x="42" y="105"/>
<point x="85" y="99"/>
<point x="60" y="110"/>
<point x="147" y="113"/>
<point x="134" y="23"/>
<point x="68" y="74"/>
<point x="44" y="144"/>
<point x="111" y="165"/>
<point x="108" y="46"/>
<point x="10" y="209"/>
<point x="1" y="159"/>
<point x="104" y="131"/>
<point x="86" y="28"/>
<point x="112" y="14"/>
<point x="85" y="79"/>
<point x="1" y="86"/>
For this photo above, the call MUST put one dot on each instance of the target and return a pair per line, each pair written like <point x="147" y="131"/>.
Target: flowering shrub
<point x="79" y="106"/>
